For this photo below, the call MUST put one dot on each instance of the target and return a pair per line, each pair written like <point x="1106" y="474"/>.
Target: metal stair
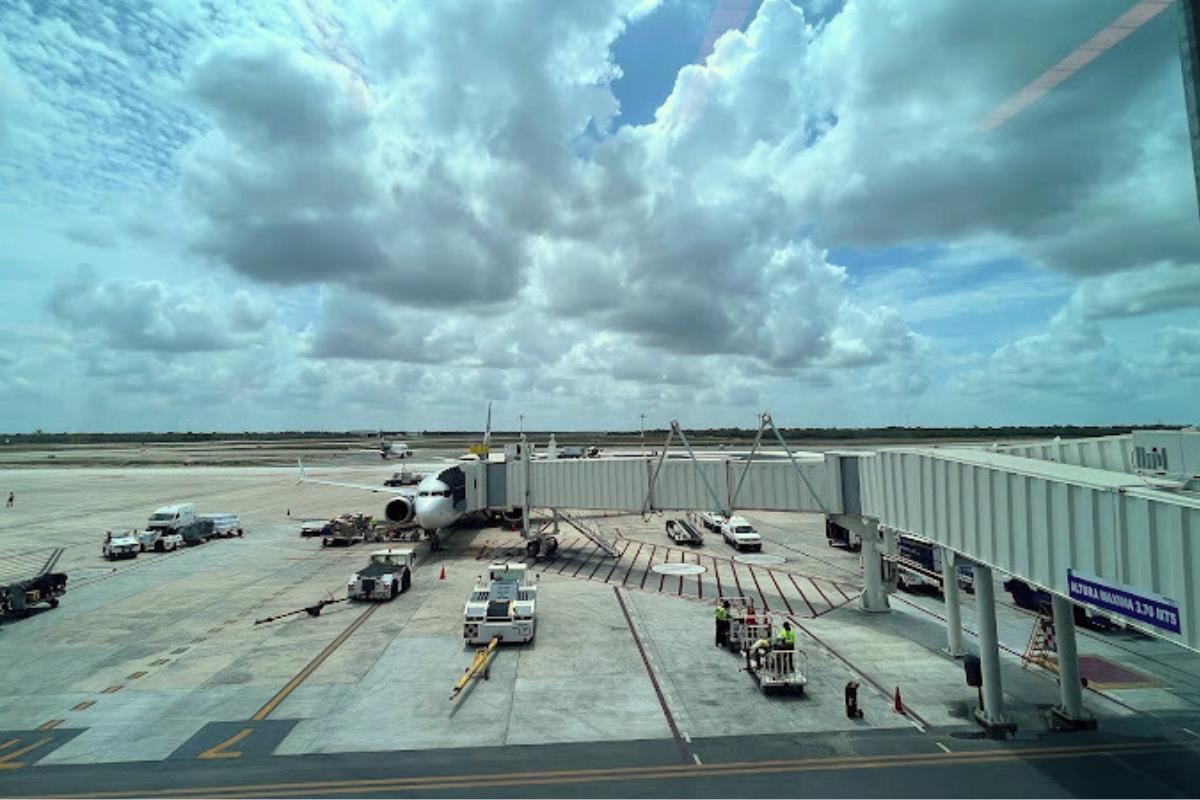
<point x="605" y="541"/>
<point x="1041" y="644"/>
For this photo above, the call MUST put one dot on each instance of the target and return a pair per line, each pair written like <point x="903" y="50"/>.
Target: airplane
<point x="388" y="449"/>
<point x="481" y="452"/>
<point x="439" y="500"/>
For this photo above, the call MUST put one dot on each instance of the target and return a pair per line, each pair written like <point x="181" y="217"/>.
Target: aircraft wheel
<point x="533" y="548"/>
<point x="405" y="583"/>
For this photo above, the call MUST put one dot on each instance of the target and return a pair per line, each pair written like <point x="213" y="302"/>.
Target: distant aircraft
<point x="387" y="449"/>
<point x="481" y="452"/>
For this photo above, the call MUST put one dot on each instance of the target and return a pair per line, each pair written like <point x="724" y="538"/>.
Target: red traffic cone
<point x="442" y="576"/>
<point x="899" y="704"/>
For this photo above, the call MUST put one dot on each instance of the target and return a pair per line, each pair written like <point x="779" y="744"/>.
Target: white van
<point x="171" y="518"/>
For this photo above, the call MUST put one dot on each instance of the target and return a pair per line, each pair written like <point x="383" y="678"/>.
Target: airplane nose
<point x="431" y="512"/>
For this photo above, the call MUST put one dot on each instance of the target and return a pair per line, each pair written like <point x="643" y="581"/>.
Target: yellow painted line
<point x="160" y="662"/>
<point x="283" y="693"/>
<point x="662" y="772"/>
<point x="6" y="760"/>
<point x="9" y="744"/>
<point x="215" y="630"/>
<point x="51" y="725"/>
<point x="220" y="752"/>
<point x="86" y="704"/>
<point x="116" y="687"/>
<point x="135" y="675"/>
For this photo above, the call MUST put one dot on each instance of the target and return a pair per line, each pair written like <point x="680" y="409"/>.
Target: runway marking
<point x="9" y="744"/>
<point x="779" y="589"/>
<point x="696" y="758"/>
<point x="6" y="760"/>
<point x="632" y="562"/>
<point x="116" y="687"/>
<point x="812" y="609"/>
<point x="220" y="751"/>
<point x="687" y="770"/>
<point x="179" y="650"/>
<point x="51" y="725"/>
<point x="86" y="704"/>
<point x="944" y="748"/>
<point x="1190" y="732"/>
<point x="283" y="693"/>
<point x="160" y="662"/>
<point x="135" y="676"/>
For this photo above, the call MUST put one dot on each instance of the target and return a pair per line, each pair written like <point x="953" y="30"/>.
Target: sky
<point x="344" y="215"/>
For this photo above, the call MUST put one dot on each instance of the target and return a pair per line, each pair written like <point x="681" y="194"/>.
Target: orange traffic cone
<point x="442" y="577"/>
<point x="899" y="704"/>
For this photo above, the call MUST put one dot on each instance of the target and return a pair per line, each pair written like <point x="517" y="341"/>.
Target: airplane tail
<point x="487" y="431"/>
<point x="303" y="472"/>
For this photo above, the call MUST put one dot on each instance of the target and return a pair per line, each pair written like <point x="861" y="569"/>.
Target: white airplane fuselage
<point x="433" y="507"/>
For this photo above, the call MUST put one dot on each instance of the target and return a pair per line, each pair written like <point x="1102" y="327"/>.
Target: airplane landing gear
<point x="435" y="544"/>
<point x="546" y="547"/>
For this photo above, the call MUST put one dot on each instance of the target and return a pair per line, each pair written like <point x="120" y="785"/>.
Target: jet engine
<point x="400" y="509"/>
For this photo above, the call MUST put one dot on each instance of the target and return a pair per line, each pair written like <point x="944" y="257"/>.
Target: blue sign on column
<point x="1137" y="604"/>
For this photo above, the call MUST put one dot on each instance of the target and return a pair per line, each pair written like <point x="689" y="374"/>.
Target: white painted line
<point x="944" y="748"/>
<point x="687" y="738"/>
<point x="1191" y="732"/>
<point x="696" y="758"/>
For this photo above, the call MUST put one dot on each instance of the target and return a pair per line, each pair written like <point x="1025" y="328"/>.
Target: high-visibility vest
<point x="722" y="613"/>
<point x="787" y="638"/>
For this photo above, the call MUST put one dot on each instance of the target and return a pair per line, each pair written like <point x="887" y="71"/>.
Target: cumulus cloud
<point x="153" y="316"/>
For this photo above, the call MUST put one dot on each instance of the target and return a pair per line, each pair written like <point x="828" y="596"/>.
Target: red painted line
<point x="632" y="562"/>
<point x="599" y="564"/>
<point x="736" y="582"/>
<point x="649" y="564"/>
<point x="839" y="588"/>
<point x="680" y="592"/>
<point x="817" y="586"/>
<point x="803" y="596"/>
<point x="761" y="596"/>
<point x="717" y="572"/>
<point x="779" y="589"/>
<point x="699" y="578"/>
<point x="617" y="561"/>
<point x="583" y="564"/>
<point x="662" y="579"/>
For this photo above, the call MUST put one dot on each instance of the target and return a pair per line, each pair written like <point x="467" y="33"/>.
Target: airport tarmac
<point x="158" y="660"/>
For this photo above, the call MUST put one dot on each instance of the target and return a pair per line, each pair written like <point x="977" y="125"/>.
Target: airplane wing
<point x="406" y="491"/>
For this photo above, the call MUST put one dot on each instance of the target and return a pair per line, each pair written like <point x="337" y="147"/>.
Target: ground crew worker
<point x="722" y="619"/>
<point x="786" y="638"/>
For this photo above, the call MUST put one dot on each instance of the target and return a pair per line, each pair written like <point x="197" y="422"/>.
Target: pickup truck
<point x="740" y="534"/>
<point x="158" y="540"/>
<point x="224" y="525"/>
<point x="124" y="545"/>
<point x="713" y="520"/>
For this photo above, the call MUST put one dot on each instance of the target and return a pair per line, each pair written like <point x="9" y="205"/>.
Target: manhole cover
<point x="678" y="569"/>
<point x="760" y="559"/>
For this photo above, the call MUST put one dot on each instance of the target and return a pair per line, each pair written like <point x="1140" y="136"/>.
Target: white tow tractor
<point x="123" y="545"/>
<point x="501" y="608"/>
<point x="388" y="574"/>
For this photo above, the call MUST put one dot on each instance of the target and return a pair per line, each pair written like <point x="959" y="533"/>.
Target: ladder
<point x="1041" y="643"/>
<point x="605" y="541"/>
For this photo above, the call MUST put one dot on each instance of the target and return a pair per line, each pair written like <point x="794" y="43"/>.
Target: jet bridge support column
<point x="954" y="647"/>
<point x="1070" y="713"/>
<point x="991" y="716"/>
<point x="874" y="598"/>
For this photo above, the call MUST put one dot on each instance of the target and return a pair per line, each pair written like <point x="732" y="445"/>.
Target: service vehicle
<point x="198" y="531"/>
<point x="225" y="524"/>
<point x="123" y="545"/>
<point x="404" y="478"/>
<point x="1036" y="599"/>
<point x="740" y="534"/>
<point x="840" y="536"/>
<point x="159" y="540"/>
<point x="777" y="669"/>
<point x="713" y="520"/>
<point x="502" y="608"/>
<point x="19" y="594"/>
<point x="919" y="566"/>
<point x="682" y="531"/>
<point x="171" y="518"/>
<point x="346" y="530"/>
<point x="388" y="574"/>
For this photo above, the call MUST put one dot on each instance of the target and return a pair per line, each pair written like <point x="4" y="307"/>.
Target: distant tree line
<point x="891" y="433"/>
